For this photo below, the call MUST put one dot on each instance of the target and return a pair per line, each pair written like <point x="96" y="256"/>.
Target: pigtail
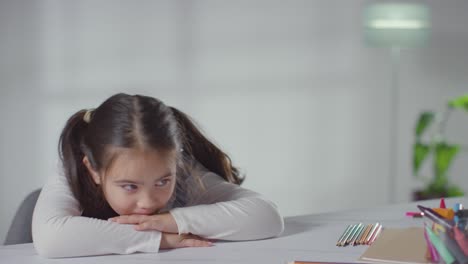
<point x="71" y="151"/>
<point x="196" y="145"/>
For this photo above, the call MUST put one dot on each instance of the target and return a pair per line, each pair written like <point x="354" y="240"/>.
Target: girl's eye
<point x="129" y="187"/>
<point x="163" y="182"/>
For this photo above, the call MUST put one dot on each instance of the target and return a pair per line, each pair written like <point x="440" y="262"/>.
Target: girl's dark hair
<point x="132" y="121"/>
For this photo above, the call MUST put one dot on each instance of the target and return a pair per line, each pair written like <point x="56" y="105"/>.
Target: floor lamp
<point x="395" y="26"/>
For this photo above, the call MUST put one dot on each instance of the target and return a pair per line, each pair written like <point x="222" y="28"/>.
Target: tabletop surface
<point x="307" y="237"/>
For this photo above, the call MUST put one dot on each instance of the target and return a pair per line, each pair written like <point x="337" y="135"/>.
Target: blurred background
<point x="317" y="116"/>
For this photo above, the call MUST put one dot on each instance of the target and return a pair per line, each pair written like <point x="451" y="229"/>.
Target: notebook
<point x="397" y="245"/>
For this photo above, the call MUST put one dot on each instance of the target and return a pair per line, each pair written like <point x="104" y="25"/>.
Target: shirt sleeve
<point x="59" y="230"/>
<point x="227" y="211"/>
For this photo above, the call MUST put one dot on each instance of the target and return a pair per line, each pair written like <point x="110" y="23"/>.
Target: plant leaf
<point x="420" y="152"/>
<point x="425" y="119"/>
<point x="436" y="189"/>
<point x="459" y="102"/>
<point x="454" y="191"/>
<point x="444" y="154"/>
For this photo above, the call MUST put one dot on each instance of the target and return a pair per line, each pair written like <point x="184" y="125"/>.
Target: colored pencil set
<point x="445" y="235"/>
<point x="359" y="234"/>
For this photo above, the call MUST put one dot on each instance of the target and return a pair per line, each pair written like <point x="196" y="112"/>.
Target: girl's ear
<point x="94" y="174"/>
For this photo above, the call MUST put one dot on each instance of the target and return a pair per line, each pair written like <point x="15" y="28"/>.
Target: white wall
<point x="288" y="88"/>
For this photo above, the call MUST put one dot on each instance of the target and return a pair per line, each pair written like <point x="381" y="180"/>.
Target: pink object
<point x="415" y="214"/>
<point x="461" y="240"/>
<point x="442" y="203"/>
<point x="430" y="247"/>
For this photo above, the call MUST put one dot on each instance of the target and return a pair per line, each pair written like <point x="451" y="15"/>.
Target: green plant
<point x="436" y="145"/>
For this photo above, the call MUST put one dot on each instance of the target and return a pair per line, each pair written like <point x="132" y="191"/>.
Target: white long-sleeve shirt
<point x="220" y="210"/>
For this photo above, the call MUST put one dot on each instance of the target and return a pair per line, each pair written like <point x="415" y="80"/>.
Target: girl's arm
<point x="59" y="230"/>
<point x="227" y="211"/>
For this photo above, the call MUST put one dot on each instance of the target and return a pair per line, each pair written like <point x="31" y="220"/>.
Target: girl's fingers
<point x="193" y="242"/>
<point x="149" y="225"/>
<point x="164" y="223"/>
<point x="129" y="219"/>
<point x="170" y="240"/>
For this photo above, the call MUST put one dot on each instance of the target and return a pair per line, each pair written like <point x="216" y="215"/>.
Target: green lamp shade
<point x="396" y="24"/>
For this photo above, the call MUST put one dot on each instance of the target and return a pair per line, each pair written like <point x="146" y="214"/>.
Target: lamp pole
<point x="394" y="114"/>
<point x="395" y="25"/>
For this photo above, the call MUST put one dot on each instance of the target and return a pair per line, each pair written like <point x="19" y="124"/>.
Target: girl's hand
<point x="161" y="222"/>
<point x="178" y="241"/>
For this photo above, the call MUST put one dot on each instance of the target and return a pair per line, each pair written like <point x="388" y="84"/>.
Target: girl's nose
<point x="146" y="203"/>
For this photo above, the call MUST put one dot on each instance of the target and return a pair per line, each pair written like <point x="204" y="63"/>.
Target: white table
<point x="309" y="237"/>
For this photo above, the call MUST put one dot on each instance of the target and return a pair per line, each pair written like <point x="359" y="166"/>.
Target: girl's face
<point x="139" y="181"/>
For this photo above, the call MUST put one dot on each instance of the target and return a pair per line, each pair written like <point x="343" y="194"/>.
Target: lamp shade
<point x="396" y="24"/>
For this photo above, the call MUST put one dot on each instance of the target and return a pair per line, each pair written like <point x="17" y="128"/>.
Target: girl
<point x="139" y="176"/>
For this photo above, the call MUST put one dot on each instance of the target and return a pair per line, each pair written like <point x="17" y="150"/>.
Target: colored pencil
<point x="364" y="235"/>
<point x="371" y="233"/>
<point x="343" y="242"/>
<point x="343" y="235"/>
<point x="358" y="234"/>
<point x="358" y="239"/>
<point x="377" y="232"/>
<point x="356" y="230"/>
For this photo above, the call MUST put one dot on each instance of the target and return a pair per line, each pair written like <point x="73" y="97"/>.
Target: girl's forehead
<point x="141" y="154"/>
<point x="131" y="160"/>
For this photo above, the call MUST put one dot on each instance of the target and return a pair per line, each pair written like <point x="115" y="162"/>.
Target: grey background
<point x="288" y="88"/>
